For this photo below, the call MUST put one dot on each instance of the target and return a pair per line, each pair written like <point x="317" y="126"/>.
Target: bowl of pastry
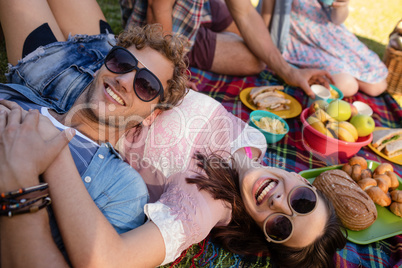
<point x="272" y="126"/>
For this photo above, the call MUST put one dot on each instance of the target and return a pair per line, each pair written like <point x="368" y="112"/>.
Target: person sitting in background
<point x="313" y="36"/>
<point x="242" y="47"/>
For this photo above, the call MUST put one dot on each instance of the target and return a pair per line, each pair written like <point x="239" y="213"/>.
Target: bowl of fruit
<point x="335" y="128"/>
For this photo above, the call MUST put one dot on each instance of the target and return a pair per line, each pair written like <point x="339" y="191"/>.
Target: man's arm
<point x="160" y="11"/>
<point x="26" y="239"/>
<point x="258" y="40"/>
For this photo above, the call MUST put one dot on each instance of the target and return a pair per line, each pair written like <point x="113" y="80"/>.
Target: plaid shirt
<point x="187" y="15"/>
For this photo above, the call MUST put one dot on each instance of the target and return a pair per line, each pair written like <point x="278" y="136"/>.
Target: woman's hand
<point x="24" y="154"/>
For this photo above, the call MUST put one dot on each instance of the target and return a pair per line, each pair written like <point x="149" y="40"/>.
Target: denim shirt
<point x="116" y="188"/>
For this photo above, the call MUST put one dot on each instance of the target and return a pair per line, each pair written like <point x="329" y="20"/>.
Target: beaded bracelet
<point x="31" y="209"/>
<point x="18" y="204"/>
<point x="23" y="191"/>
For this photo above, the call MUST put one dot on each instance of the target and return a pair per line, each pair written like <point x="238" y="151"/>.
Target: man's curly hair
<point x="173" y="47"/>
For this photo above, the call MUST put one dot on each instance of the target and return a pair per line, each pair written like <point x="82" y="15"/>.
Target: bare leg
<point x="346" y="83"/>
<point x="77" y="16"/>
<point x="19" y="19"/>
<point x="373" y="89"/>
<point x="238" y="60"/>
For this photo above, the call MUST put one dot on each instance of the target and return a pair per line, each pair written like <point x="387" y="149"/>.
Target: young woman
<point x="313" y="36"/>
<point x="180" y="213"/>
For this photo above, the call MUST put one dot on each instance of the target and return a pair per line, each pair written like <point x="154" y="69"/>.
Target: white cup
<point x="363" y="108"/>
<point x="321" y="93"/>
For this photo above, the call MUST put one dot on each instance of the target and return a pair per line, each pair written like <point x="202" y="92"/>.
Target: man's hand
<point x="24" y="154"/>
<point x="303" y="78"/>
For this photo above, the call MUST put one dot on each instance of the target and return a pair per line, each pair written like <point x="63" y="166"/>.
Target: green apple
<point x="363" y="123"/>
<point x="339" y="110"/>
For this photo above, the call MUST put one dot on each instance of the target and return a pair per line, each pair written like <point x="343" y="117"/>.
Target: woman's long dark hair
<point x="244" y="237"/>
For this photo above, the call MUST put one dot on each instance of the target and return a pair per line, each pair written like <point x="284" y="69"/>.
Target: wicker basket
<point x="393" y="60"/>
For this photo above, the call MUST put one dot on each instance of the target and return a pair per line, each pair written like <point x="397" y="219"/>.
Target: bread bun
<point x="378" y="196"/>
<point x="385" y="178"/>
<point x="353" y="206"/>
<point x="356" y="172"/>
<point x="396" y="208"/>
<point x="382" y="184"/>
<point x="382" y="168"/>
<point x="396" y="195"/>
<point x="367" y="183"/>
<point x="394" y="180"/>
<point x="358" y="160"/>
<point x="366" y="173"/>
<point x="348" y="169"/>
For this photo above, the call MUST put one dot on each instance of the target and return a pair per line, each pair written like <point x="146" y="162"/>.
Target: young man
<point x="208" y="25"/>
<point x="106" y="93"/>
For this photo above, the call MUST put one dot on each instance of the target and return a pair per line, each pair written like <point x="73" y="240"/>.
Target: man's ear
<point x="150" y="119"/>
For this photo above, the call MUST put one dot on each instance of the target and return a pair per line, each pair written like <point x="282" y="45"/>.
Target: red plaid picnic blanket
<point x="290" y="154"/>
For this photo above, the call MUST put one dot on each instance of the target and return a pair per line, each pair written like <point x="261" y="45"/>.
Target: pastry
<point x="378" y="196"/>
<point x="358" y="160"/>
<point x="396" y="195"/>
<point x="396" y="208"/>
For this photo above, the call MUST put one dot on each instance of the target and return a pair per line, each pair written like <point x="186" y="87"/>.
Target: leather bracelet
<point x="22" y="191"/>
<point x="31" y="209"/>
<point x="19" y="204"/>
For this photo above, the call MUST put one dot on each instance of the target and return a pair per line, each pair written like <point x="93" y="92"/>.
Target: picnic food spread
<point x="354" y="207"/>
<point x="268" y="98"/>
<point x="381" y="184"/>
<point x="389" y="141"/>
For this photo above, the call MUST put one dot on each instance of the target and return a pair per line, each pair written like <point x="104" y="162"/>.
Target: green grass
<point x="370" y="20"/>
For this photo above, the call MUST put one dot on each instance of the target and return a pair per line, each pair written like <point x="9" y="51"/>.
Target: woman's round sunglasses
<point x="278" y="227"/>
<point x="146" y="85"/>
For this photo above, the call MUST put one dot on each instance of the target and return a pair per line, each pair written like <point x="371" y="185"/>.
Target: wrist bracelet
<point x="31" y="209"/>
<point x="248" y="152"/>
<point x="23" y="191"/>
<point x="19" y="204"/>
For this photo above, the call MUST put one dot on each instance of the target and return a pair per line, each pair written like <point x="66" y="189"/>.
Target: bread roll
<point x="385" y="178"/>
<point x="396" y="208"/>
<point x="382" y="168"/>
<point x="348" y="169"/>
<point x="378" y="196"/>
<point x="382" y="184"/>
<point x="396" y="195"/>
<point x="366" y="173"/>
<point x="356" y="172"/>
<point x="358" y="160"/>
<point x="367" y="183"/>
<point x="394" y="180"/>
<point x="354" y="207"/>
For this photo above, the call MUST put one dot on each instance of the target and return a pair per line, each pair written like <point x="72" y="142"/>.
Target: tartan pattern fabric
<point x="187" y="15"/>
<point x="290" y="154"/>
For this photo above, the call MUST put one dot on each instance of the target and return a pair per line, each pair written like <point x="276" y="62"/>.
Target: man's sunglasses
<point x="146" y="85"/>
<point x="278" y="227"/>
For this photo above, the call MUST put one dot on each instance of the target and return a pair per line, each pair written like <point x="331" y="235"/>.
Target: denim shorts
<point x="60" y="71"/>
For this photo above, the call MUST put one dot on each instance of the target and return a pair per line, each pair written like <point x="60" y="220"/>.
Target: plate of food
<point x="386" y="225"/>
<point x="387" y="143"/>
<point x="271" y="99"/>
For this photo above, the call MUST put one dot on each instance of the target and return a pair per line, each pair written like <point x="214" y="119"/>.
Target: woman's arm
<point x="90" y="239"/>
<point x="339" y="11"/>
